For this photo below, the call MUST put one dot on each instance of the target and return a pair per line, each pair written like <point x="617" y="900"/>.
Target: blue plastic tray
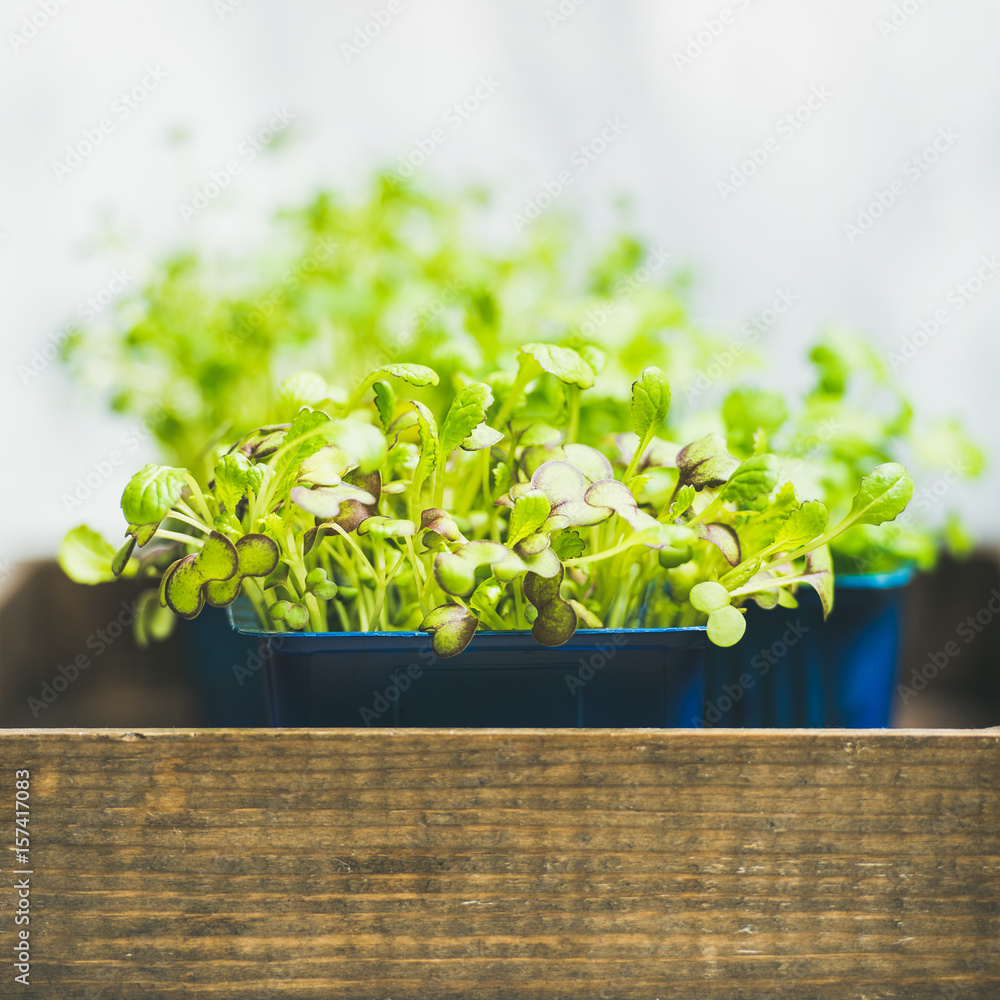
<point x="792" y="669"/>
<point x="601" y="677"/>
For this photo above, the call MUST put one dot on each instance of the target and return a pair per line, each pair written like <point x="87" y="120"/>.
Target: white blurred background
<point x="886" y="80"/>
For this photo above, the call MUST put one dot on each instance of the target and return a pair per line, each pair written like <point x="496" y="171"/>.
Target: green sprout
<point x="383" y="513"/>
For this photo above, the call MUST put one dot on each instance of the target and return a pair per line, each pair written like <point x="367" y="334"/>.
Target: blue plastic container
<point x="222" y="664"/>
<point x="601" y="677"/>
<point x="792" y="669"/>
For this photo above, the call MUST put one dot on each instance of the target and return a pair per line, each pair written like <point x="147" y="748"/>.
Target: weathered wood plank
<point x="509" y="864"/>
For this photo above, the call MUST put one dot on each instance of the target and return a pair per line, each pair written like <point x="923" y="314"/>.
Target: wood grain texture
<point x="507" y="864"/>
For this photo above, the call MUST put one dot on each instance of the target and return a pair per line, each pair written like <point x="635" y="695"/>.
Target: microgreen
<point x="853" y="419"/>
<point x="387" y="515"/>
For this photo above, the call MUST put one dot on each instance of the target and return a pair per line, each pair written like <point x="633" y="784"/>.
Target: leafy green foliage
<point x="852" y="420"/>
<point x="882" y="495"/>
<point x="755" y="477"/>
<point x="234" y="475"/>
<point x="346" y="289"/>
<point x="150" y="494"/>
<point x="706" y="463"/>
<point x="86" y="557"/>
<point x="650" y="402"/>
<point x="347" y="294"/>
<point x="562" y="362"/>
<point x="328" y="517"/>
<point x="531" y="510"/>
<point x="466" y="413"/>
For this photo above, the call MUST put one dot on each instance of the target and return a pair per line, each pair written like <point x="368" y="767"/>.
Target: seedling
<point x="380" y="514"/>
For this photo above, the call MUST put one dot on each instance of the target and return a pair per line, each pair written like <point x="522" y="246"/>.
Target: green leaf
<point x="650" y="402"/>
<point x="804" y="524"/>
<point x="142" y="533"/>
<point x="485" y="599"/>
<point x="451" y="627"/>
<point x="326" y="501"/>
<point x="122" y="557"/>
<point x="295" y="616"/>
<point x="85" y="557"/>
<point x="151" y="492"/>
<point x="758" y="529"/>
<point x="819" y="576"/>
<point x="455" y="571"/>
<point x="302" y="439"/>
<point x="319" y="584"/>
<point x="706" y="463"/>
<point x="232" y="477"/>
<point x="555" y="623"/>
<point x="946" y="445"/>
<point x="529" y="513"/>
<point x="182" y="588"/>
<point x="257" y="555"/>
<point x="882" y="495"/>
<point x="418" y="375"/>
<point x="387" y="527"/>
<point x="766" y="599"/>
<point x="567" y="544"/>
<point x="261" y="443"/>
<point x="725" y="539"/>
<point x="385" y="402"/>
<point x="439" y="522"/>
<point x="709" y="596"/>
<point x="726" y="626"/>
<point x="536" y="554"/>
<point x="611" y="493"/>
<point x="840" y="355"/>
<point x="755" y="477"/>
<point x="556" y="619"/>
<point x="681" y="503"/>
<point x="428" y="435"/>
<point x="594" y="357"/>
<point x="563" y="362"/>
<point x="534" y="433"/>
<point x="589" y="461"/>
<point x="467" y="412"/>
<point x="481" y="437"/>
<point x="326" y="467"/>
<point x="564" y="486"/>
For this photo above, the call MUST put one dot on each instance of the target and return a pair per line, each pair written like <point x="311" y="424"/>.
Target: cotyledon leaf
<point x="455" y="571"/>
<point x="182" y="588"/>
<point x="257" y="555"/>
<point x="451" y="627"/>
<point x="706" y="463"/>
